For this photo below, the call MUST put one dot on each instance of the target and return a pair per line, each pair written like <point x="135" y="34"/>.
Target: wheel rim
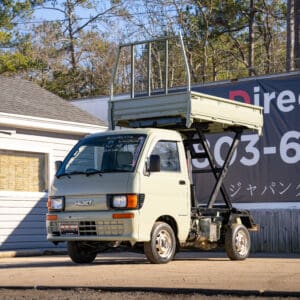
<point x="163" y="244"/>
<point x="242" y="243"/>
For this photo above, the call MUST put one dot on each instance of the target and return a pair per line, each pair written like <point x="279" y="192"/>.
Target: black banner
<point x="267" y="168"/>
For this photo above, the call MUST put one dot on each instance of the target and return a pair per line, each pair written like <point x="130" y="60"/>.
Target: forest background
<point x="69" y="46"/>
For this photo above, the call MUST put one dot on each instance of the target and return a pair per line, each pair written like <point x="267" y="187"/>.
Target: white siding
<point x="22" y="221"/>
<point x="22" y="214"/>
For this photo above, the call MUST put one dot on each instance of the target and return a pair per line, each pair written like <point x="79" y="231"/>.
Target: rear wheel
<point x="82" y="252"/>
<point x="237" y="242"/>
<point x="162" y="246"/>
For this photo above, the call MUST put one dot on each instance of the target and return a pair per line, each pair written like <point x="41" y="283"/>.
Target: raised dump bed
<point x="169" y="107"/>
<point x="182" y="110"/>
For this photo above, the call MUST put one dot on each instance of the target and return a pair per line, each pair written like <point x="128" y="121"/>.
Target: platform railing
<point x="148" y="45"/>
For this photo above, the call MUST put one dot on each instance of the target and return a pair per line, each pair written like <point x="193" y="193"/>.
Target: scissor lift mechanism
<point x="219" y="173"/>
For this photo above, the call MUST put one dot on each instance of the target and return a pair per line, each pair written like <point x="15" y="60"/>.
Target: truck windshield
<point x="97" y="155"/>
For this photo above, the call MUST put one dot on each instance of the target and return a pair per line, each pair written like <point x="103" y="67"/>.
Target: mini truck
<point x="133" y="188"/>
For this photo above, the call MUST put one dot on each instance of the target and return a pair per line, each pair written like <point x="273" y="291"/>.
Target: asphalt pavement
<point x="191" y="272"/>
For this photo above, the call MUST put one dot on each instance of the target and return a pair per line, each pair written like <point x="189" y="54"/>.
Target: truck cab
<point x="113" y="186"/>
<point x="133" y="188"/>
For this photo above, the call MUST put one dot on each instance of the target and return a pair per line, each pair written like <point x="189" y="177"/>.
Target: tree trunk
<point x="204" y="63"/>
<point x="297" y="34"/>
<point x="251" y="70"/>
<point x="267" y="37"/>
<point x="214" y="66"/>
<point x="70" y="13"/>
<point x="290" y="36"/>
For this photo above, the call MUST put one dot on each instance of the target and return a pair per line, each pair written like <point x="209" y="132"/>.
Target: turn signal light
<point x="123" y="216"/>
<point x="52" y="217"/>
<point x="132" y="201"/>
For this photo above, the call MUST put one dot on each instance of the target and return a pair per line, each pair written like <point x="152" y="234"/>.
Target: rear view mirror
<point x="154" y="163"/>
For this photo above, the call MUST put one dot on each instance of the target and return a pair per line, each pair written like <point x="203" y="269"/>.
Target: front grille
<point x="87" y="228"/>
<point x="110" y="227"/>
<point x="94" y="228"/>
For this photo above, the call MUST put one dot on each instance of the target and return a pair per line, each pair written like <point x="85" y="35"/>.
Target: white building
<point x="96" y="106"/>
<point x="36" y="129"/>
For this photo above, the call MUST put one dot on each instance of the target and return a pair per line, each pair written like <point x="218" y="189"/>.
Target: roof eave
<point x="48" y="125"/>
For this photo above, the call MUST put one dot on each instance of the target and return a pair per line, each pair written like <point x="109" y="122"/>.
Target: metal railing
<point x="148" y="44"/>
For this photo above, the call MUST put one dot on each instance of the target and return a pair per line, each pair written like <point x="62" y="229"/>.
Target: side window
<point x="169" y="157"/>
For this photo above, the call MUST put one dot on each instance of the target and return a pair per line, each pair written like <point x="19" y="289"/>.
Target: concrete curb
<point x="32" y="252"/>
<point x="166" y="291"/>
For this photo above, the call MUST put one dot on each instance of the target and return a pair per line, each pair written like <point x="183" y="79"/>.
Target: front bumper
<point x="87" y="226"/>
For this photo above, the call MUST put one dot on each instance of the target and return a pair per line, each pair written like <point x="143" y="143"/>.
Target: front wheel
<point x="162" y="246"/>
<point x="237" y="242"/>
<point x="81" y="252"/>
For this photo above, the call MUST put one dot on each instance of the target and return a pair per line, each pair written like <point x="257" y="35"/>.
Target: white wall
<point x="22" y="214"/>
<point x="97" y="107"/>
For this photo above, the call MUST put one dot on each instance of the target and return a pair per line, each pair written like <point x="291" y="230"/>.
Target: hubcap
<point x="241" y="243"/>
<point x="164" y="244"/>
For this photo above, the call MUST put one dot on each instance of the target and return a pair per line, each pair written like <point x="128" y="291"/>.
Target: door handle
<point x="182" y="182"/>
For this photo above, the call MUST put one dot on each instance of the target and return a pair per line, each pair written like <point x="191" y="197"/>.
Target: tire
<point x="162" y="246"/>
<point x="237" y="242"/>
<point x="81" y="252"/>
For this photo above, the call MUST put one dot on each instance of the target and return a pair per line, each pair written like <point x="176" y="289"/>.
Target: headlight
<point x="56" y="203"/>
<point x="127" y="201"/>
<point x="119" y="201"/>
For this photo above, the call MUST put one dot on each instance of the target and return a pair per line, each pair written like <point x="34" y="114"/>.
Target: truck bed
<point x="183" y="110"/>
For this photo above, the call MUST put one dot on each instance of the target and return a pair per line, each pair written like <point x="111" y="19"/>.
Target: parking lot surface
<point x="190" y="272"/>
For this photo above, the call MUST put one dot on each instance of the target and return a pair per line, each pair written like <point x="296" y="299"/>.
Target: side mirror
<point x="58" y="164"/>
<point x="154" y="163"/>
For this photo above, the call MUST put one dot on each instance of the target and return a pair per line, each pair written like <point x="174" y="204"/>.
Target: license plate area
<point x="69" y="229"/>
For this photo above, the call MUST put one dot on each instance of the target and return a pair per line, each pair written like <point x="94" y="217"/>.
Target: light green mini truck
<point x="133" y="188"/>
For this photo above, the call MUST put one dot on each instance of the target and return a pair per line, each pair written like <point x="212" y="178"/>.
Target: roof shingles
<point x="22" y="97"/>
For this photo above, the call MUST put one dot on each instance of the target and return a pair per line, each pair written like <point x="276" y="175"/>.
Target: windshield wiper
<point x="89" y="172"/>
<point x="68" y="174"/>
<point x="116" y="170"/>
